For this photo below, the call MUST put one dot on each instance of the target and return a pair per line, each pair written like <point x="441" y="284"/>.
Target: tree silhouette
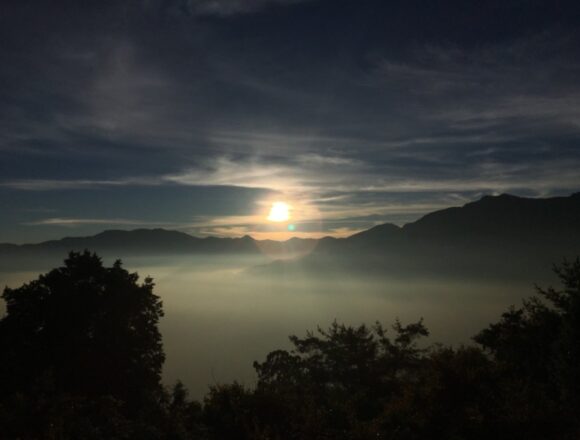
<point x="536" y="346"/>
<point x="337" y="381"/>
<point x="83" y="329"/>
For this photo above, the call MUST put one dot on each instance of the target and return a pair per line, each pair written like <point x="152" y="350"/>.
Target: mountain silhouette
<point x="146" y="242"/>
<point x="492" y="235"/>
<point x="502" y="217"/>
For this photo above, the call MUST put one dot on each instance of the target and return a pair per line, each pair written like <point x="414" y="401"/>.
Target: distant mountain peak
<point x="502" y="196"/>
<point x="140" y="231"/>
<point x="386" y="231"/>
<point x="116" y="232"/>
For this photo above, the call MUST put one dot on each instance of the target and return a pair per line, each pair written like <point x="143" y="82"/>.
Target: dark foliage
<point x="520" y="382"/>
<point x="88" y="329"/>
<point x="81" y="359"/>
<point x="81" y="356"/>
<point x="536" y="347"/>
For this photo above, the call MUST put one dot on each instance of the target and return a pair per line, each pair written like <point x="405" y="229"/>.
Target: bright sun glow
<point x="280" y="212"/>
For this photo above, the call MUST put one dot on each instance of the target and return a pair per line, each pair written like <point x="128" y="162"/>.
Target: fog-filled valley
<point x="218" y="322"/>
<point x="230" y="301"/>
<point x="220" y="316"/>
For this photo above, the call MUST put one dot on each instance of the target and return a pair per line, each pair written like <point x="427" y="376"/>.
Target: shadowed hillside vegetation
<point x="81" y="358"/>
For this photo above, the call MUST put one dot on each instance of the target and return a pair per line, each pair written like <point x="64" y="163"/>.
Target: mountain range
<point x="494" y="234"/>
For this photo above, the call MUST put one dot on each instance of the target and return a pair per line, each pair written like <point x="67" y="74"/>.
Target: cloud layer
<point x="358" y="112"/>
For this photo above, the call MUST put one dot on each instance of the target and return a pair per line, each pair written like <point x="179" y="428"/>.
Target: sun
<point x="279" y="212"/>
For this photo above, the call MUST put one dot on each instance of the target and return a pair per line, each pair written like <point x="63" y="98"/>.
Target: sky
<point x="197" y="115"/>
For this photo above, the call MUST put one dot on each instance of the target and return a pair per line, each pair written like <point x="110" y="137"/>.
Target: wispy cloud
<point x="229" y="7"/>
<point x="56" y="184"/>
<point x="521" y="82"/>
<point x="74" y="222"/>
<point x="247" y="173"/>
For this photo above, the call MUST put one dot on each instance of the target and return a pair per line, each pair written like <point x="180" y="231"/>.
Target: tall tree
<point x="86" y="330"/>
